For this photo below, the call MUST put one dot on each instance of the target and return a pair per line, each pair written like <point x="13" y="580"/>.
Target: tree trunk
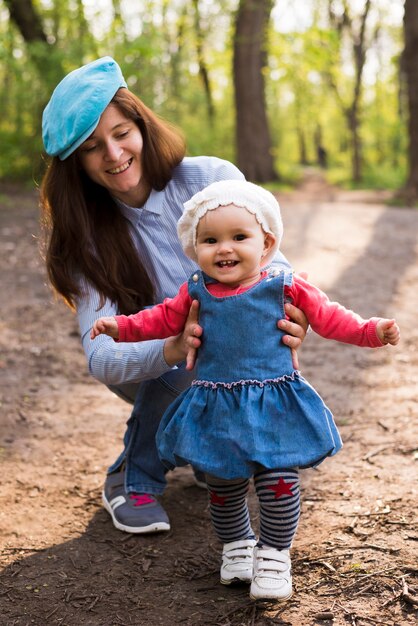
<point x="303" y="153"/>
<point x="203" y="69"/>
<point x="356" y="145"/>
<point x="23" y="14"/>
<point x="359" y="49"/>
<point x="29" y="24"/>
<point x="410" y="67"/>
<point x="345" y="23"/>
<point x="253" y="142"/>
<point x="300" y="131"/>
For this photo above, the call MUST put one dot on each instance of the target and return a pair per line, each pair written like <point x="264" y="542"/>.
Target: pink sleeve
<point x="162" y="320"/>
<point x="330" y="319"/>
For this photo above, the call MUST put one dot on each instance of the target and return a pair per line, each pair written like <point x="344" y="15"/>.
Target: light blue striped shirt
<point x="154" y="232"/>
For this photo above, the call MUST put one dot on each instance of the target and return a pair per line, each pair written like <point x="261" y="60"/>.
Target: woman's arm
<point x="120" y="363"/>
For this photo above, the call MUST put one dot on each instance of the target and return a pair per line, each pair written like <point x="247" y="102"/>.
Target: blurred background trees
<point x="272" y="85"/>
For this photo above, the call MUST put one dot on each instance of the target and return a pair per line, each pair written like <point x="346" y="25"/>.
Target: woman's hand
<point x="185" y="345"/>
<point x="296" y="328"/>
<point x="191" y="335"/>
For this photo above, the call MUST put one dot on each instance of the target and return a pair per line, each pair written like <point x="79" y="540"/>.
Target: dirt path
<point x="355" y="555"/>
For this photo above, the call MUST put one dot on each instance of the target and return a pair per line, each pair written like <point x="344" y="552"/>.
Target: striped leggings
<point x="278" y="495"/>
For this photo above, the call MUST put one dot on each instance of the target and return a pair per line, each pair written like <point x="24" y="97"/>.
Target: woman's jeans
<point x="144" y="472"/>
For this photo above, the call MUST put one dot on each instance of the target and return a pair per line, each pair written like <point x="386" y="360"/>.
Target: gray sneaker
<point x="132" y="512"/>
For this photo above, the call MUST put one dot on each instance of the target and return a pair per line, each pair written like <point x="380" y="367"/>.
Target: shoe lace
<point x="141" y="498"/>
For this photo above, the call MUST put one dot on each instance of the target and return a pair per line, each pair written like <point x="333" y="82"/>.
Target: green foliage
<point x="374" y="177"/>
<point x="290" y="175"/>
<point x="157" y="44"/>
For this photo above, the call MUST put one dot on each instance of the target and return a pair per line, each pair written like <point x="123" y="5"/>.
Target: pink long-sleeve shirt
<point x="329" y="319"/>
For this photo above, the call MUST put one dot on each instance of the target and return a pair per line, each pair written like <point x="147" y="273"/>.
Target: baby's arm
<point x="159" y="322"/>
<point x="333" y="321"/>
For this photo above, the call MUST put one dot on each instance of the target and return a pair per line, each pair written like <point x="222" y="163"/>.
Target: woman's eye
<point x="123" y="134"/>
<point x="89" y="148"/>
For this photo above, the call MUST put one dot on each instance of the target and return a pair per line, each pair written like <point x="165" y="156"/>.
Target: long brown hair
<point x="85" y="233"/>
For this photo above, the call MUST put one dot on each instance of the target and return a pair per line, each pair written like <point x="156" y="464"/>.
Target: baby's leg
<point x="231" y="521"/>
<point x="229" y="509"/>
<point x="279" y="498"/>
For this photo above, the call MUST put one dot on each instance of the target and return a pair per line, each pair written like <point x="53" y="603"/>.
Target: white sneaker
<point x="237" y="561"/>
<point x="272" y="578"/>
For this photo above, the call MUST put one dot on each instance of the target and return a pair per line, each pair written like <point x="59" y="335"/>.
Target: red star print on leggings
<point x="281" y="488"/>
<point x="215" y="499"/>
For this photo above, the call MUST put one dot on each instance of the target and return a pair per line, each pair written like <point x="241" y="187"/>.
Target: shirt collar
<point x="154" y="204"/>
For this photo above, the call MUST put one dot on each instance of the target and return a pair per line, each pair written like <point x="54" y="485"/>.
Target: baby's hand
<point x="105" y="326"/>
<point x="388" y="331"/>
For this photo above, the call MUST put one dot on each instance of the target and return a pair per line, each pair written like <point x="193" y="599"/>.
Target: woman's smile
<point x="122" y="168"/>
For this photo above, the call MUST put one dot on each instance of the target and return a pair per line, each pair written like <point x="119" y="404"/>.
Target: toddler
<point x="249" y="413"/>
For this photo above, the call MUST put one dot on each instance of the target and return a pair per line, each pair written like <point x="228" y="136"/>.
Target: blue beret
<point x="76" y="105"/>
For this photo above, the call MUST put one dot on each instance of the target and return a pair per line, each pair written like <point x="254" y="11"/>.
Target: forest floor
<point x="355" y="554"/>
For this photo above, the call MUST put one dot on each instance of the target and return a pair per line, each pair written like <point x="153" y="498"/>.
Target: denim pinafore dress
<point x="248" y="408"/>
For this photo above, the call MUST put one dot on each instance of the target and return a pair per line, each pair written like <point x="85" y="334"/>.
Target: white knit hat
<point x="258" y="201"/>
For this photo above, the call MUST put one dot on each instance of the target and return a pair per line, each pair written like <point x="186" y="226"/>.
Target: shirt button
<point x="195" y="278"/>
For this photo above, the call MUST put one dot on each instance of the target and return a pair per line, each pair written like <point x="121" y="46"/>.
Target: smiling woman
<point x="112" y="157"/>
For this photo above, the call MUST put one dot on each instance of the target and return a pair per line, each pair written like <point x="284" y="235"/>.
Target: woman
<point x="111" y="198"/>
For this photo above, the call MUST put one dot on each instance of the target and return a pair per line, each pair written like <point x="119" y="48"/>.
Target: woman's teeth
<point x="122" y="168"/>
